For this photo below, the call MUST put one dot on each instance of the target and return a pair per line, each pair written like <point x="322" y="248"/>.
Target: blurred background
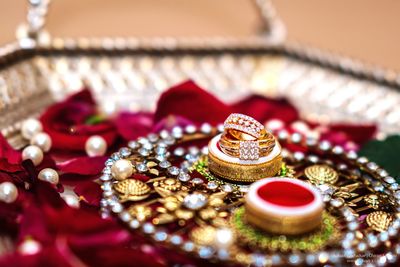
<point x="365" y="29"/>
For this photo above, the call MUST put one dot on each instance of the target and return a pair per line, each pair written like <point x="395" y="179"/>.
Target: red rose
<point x="68" y="124"/>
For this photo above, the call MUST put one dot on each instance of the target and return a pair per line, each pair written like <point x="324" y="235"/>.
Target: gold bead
<point x="140" y="212"/>
<point x="208" y="214"/>
<point x="203" y="236"/>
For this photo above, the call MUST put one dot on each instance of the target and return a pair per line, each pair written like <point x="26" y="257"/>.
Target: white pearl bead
<point x="49" y="175"/>
<point x="71" y="199"/>
<point x="42" y="140"/>
<point x="8" y="192"/>
<point x="30" y="127"/>
<point x="96" y="146"/>
<point x="274" y="125"/>
<point x="122" y="169"/>
<point x="33" y="153"/>
<point x="29" y="247"/>
<point x="224" y="237"/>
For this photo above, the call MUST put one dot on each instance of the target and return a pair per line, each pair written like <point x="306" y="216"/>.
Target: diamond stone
<point x="133" y="144"/>
<point x="197" y="181"/>
<point x="176" y="240"/>
<point x="144" y="152"/>
<point x="190" y="129"/>
<point x="389" y="180"/>
<point x="160" y="236"/>
<point x="227" y="188"/>
<point x="177" y="132"/>
<point x="195" y="201"/>
<point x="212" y="185"/>
<point x="141" y="167"/>
<point x="148" y="228"/>
<point x="165" y="164"/>
<point x="249" y="150"/>
<point x="206" y="128"/>
<point x="205" y="252"/>
<point x="173" y="170"/>
<point x="125" y="152"/>
<point x="152" y="137"/>
<point x="134" y="224"/>
<point x="161" y="150"/>
<point x="179" y="151"/>
<point x="188" y="246"/>
<point x="184" y="177"/>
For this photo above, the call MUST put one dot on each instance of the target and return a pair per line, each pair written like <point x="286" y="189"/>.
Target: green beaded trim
<point x="259" y="239"/>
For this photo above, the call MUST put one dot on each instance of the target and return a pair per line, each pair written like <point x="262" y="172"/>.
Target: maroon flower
<point x="69" y="126"/>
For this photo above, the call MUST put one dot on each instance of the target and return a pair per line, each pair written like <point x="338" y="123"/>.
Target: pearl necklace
<point x="39" y="143"/>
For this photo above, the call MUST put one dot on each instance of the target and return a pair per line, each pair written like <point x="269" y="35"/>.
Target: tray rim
<point x="15" y="52"/>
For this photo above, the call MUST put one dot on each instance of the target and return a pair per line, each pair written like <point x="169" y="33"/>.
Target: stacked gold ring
<point x="237" y="170"/>
<point x="240" y="124"/>
<point x="247" y="149"/>
<point x="245" y="138"/>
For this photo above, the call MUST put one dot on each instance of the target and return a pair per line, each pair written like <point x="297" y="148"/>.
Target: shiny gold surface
<point x="243" y="173"/>
<point x="379" y="220"/>
<point x="321" y="174"/>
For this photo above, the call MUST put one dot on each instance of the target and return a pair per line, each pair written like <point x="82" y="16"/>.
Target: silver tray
<point x="131" y="73"/>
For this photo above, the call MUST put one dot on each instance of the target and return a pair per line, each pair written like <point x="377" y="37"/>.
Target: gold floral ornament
<point x="203" y="236"/>
<point x="373" y="201"/>
<point x="212" y="236"/>
<point x="182" y="206"/>
<point x="140" y="212"/>
<point x="321" y="174"/>
<point x="132" y="190"/>
<point x="379" y="220"/>
<point x="167" y="186"/>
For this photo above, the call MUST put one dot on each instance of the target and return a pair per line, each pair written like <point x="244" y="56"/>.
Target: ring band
<point x="244" y="124"/>
<point x="247" y="150"/>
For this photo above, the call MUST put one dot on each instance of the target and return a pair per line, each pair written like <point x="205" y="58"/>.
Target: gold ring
<point x="238" y="124"/>
<point x="247" y="149"/>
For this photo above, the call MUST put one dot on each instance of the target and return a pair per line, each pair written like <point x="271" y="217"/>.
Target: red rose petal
<point x="359" y="134"/>
<point x="65" y="122"/>
<point x="133" y="125"/>
<point x="263" y="109"/>
<point x="83" y="165"/>
<point x="193" y="103"/>
<point x="90" y="191"/>
<point x="7" y="152"/>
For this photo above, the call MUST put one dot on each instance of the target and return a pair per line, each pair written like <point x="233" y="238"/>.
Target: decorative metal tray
<point x="132" y="73"/>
